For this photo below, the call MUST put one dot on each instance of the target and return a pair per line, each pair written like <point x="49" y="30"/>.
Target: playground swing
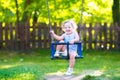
<point x="53" y="43"/>
<point x="79" y="50"/>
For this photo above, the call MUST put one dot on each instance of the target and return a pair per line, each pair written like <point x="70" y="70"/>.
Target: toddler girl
<point x="70" y="35"/>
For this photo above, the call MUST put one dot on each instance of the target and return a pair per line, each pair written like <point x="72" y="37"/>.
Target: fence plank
<point x="33" y="36"/>
<point x="116" y="36"/>
<point x="105" y="36"/>
<point x="17" y="37"/>
<point x="111" y="35"/>
<point x="1" y="35"/>
<point x="6" y="36"/>
<point x="80" y="31"/>
<point x="11" y="37"/>
<point x="90" y="36"/>
<point x="22" y="36"/>
<point x="39" y="36"/>
<point x="100" y="36"/>
<point x="27" y="35"/>
<point x="96" y="29"/>
<point x="45" y="36"/>
<point x="84" y="36"/>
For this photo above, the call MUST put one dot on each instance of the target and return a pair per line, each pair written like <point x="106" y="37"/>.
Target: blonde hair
<point x="70" y="22"/>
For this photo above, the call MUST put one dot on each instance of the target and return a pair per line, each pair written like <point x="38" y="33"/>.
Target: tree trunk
<point x="116" y="11"/>
<point x="17" y="20"/>
<point x="116" y="16"/>
<point x="17" y="11"/>
<point x="26" y="14"/>
<point x="35" y="16"/>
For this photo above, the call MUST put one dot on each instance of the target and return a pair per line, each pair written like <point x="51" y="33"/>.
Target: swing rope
<point x="81" y="17"/>
<point x="50" y="26"/>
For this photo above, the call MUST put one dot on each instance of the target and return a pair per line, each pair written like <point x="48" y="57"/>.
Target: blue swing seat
<point x="79" y="51"/>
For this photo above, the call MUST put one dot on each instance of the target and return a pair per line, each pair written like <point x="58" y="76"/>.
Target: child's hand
<point x="72" y="42"/>
<point x="51" y="32"/>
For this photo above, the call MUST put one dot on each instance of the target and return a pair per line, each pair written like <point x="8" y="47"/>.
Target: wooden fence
<point x="24" y="37"/>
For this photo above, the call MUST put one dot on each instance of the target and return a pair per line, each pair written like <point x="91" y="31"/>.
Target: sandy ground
<point x="61" y="76"/>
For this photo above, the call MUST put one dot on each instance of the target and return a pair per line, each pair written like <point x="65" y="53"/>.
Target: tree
<point x="36" y="11"/>
<point x="116" y="11"/>
<point x="26" y="14"/>
<point x="116" y="15"/>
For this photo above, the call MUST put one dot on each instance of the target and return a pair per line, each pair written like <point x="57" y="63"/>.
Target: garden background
<point x="25" y="41"/>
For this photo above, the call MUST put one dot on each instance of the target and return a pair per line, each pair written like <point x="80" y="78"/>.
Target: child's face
<point x="68" y="28"/>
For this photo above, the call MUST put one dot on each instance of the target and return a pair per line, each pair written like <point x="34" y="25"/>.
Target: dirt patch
<point x="61" y="76"/>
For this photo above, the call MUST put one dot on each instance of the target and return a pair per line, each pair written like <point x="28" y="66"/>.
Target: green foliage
<point x="26" y="71"/>
<point x="88" y="77"/>
<point x="98" y="11"/>
<point x="94" y="11"/>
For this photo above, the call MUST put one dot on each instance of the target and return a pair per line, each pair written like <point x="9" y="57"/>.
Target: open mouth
<point x="68" y="31"/>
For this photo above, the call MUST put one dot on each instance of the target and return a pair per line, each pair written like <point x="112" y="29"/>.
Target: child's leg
<point x="72" y="60"/>
<point x="58" y="48"/>
<point x="71" y="64"/>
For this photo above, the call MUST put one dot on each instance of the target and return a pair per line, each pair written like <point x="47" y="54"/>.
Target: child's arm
<point x="76" y="38"/>
<point x="56" y="36"/>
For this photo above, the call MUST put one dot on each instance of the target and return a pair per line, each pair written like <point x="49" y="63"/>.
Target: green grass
<point x="35" y="64"/>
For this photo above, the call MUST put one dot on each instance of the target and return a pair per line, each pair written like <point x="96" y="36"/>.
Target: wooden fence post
<point x="80" y="31"/>
<point x="17" y="36"/>
<point x="96" y="31"/>
<point x="1" y="35"/>
<point x="11" y="37"/>
<point x="39" y="35"/>
<point x="90" y="36"/>
<point x="111" y="35"/>
<point x="33" y="36"/>
<point x="116" y="35"/>
<point x="105" y="36"/>
<point x="27" y="36"/>
<point x="84" y="36"/>
<point x="100" y="36"/>
<point x="6" y="36"/>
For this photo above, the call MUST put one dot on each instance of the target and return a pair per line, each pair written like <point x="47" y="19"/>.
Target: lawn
<point x="36" y="64"/>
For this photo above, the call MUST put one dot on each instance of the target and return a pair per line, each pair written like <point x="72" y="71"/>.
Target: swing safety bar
<point x="79" y="50"/>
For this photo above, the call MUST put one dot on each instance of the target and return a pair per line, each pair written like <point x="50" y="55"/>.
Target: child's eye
<point x="65" y="27"/>
<point x="69" y="27"/>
